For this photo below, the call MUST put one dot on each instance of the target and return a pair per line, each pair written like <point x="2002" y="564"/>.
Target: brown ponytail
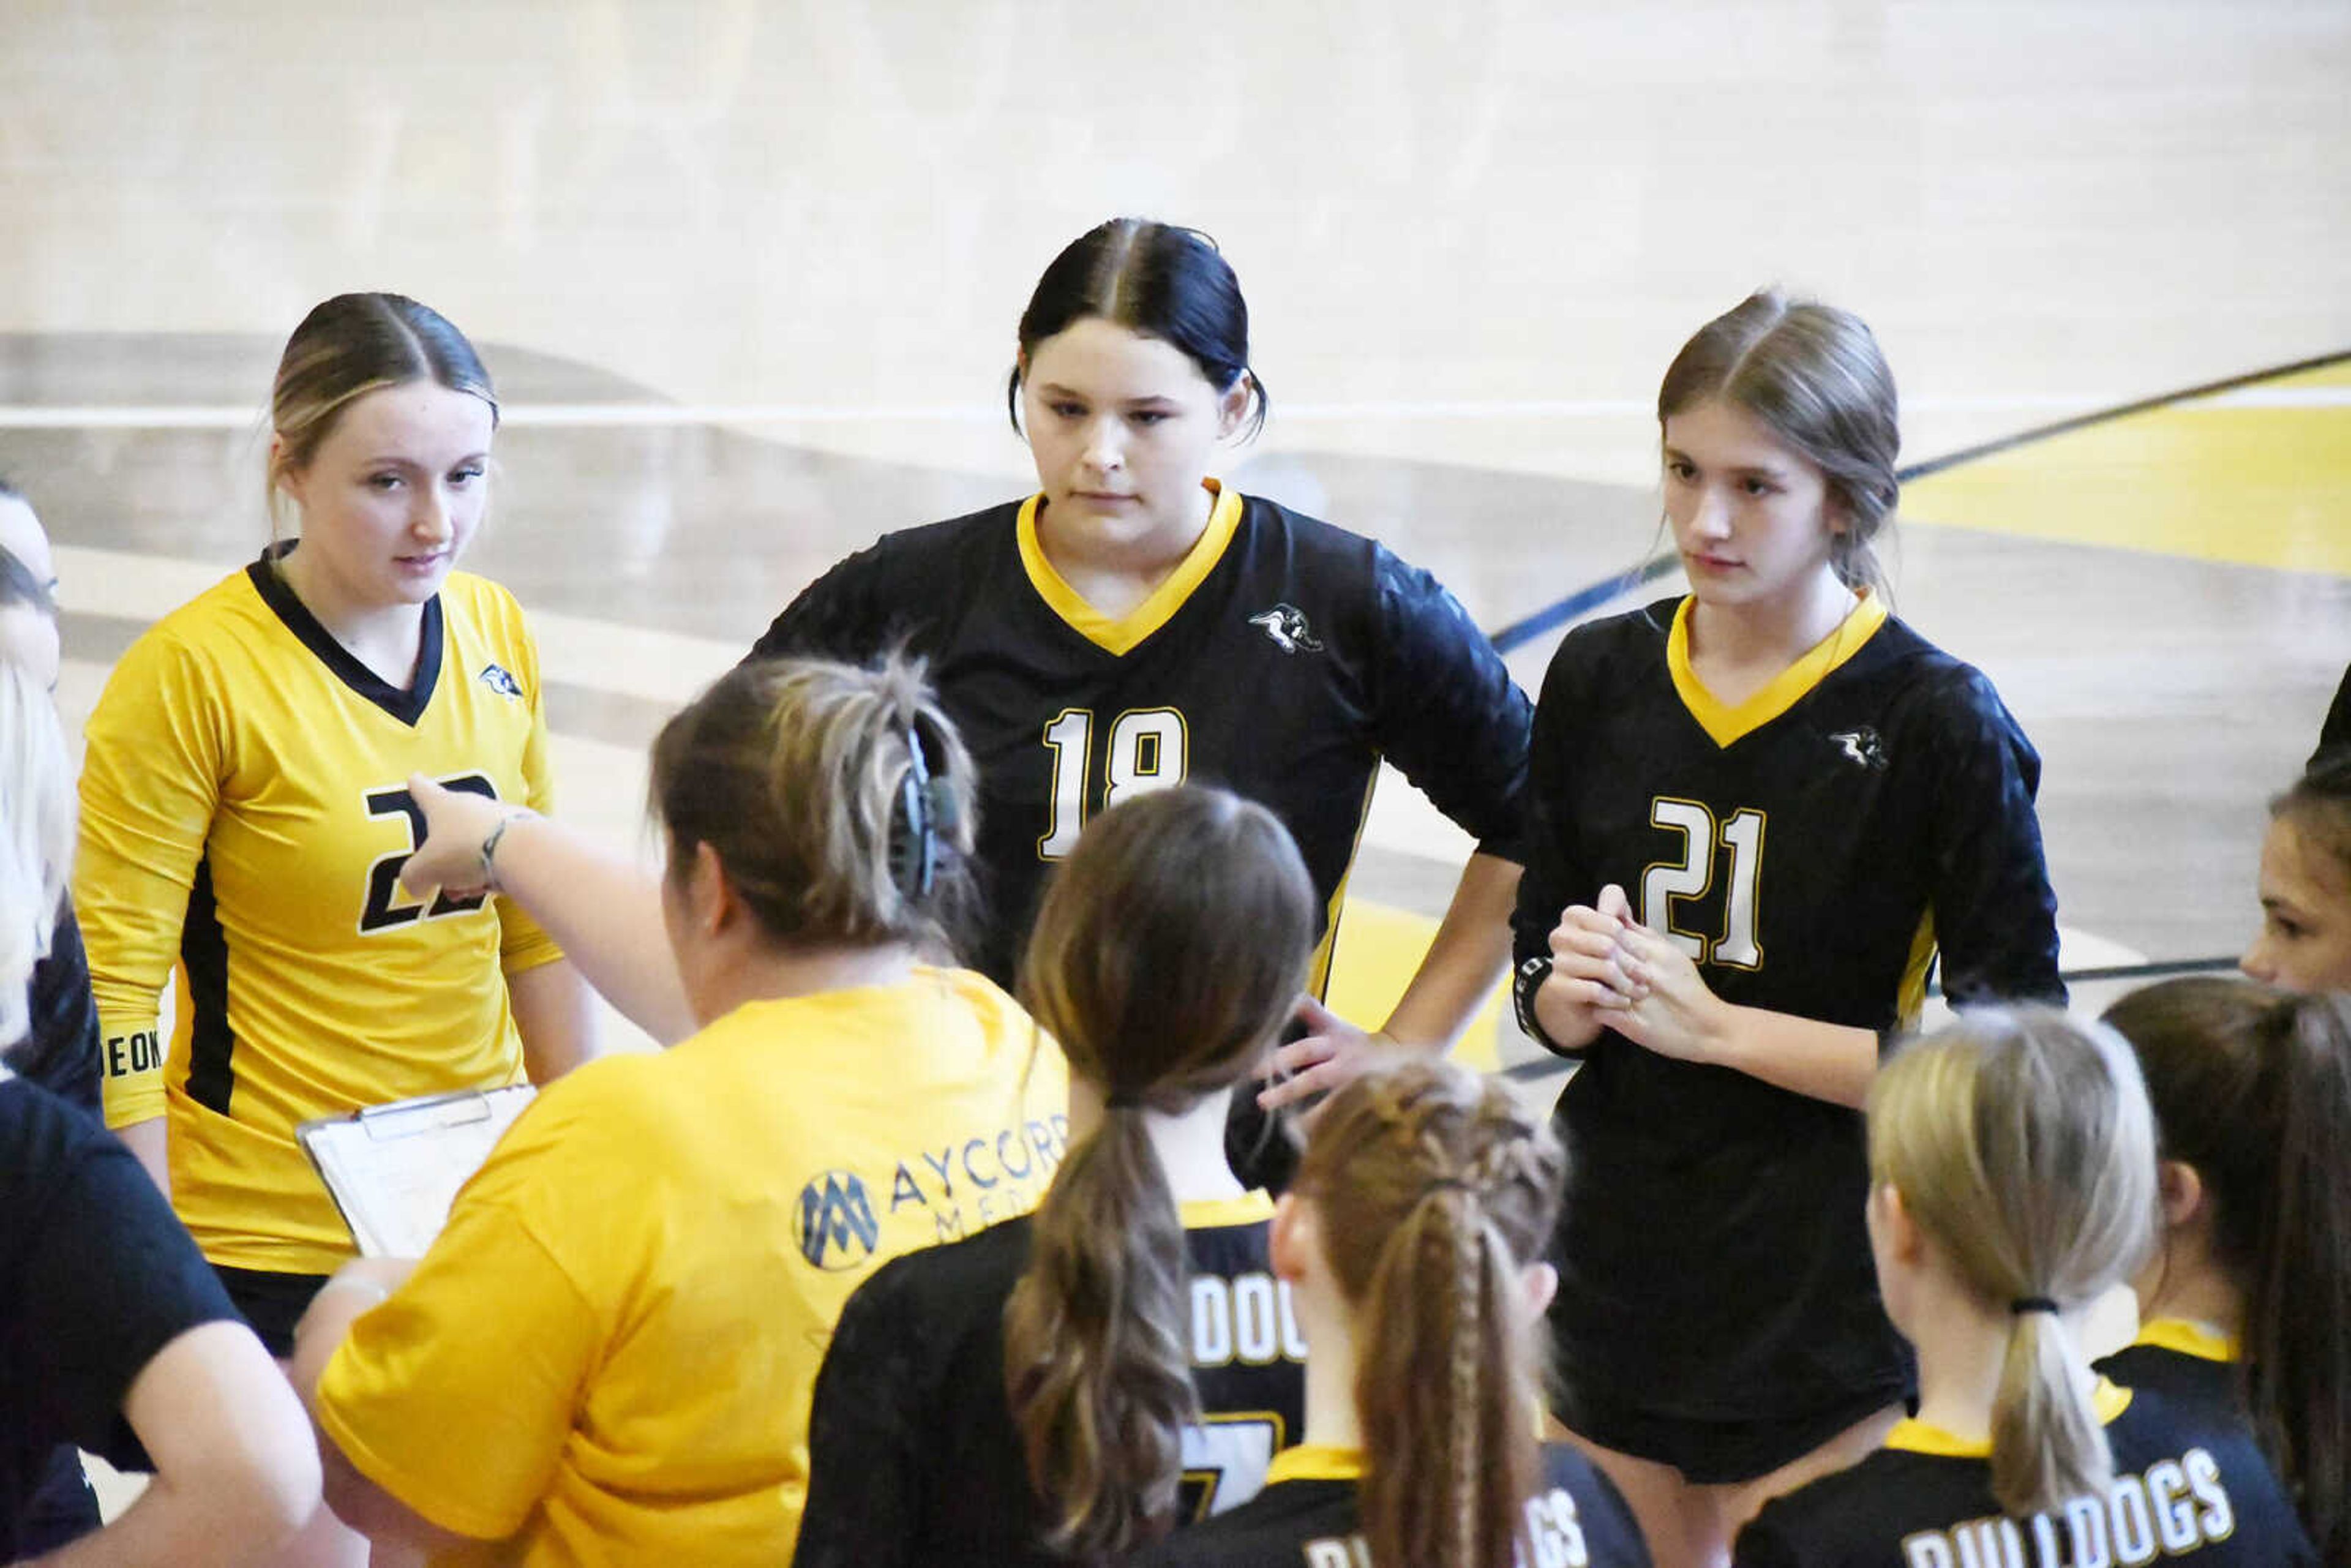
<point x="2022" y="1143"/>
<point x="1435" y="1190"/>
<point x="1170" y="947"/>
<point x="2252" y="1089"/>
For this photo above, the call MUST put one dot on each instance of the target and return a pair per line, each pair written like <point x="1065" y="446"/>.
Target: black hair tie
<point x="2023" y="1304"/>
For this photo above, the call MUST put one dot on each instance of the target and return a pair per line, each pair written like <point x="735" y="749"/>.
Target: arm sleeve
<point x="110" y="1279"/>
<point x="838" y="616"/>
<point x="60" y="1051"/>
<point x="1556" y="875"/>
<point x="1449" y="716"/>
<point x="868" y="1479"/>
<point x="458" y="1393"/>
<point x="1995" y="916"/>
<point x="523" y="943"/>
<point x="150" y="782"/>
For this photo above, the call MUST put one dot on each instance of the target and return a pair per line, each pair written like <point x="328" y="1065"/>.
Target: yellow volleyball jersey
<point x="245" y="815"/>
<point x="609" y="1355"/>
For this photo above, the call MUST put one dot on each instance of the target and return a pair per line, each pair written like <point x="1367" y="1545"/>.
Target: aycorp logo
<point x="497" y="680"/>
<point x="835" y="1227"/>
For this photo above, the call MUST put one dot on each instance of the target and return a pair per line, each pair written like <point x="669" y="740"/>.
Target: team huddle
<point x="1003" y="1194"/>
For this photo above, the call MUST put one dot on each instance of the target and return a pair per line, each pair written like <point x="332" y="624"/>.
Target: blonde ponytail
<point x="2023" y="1145"/>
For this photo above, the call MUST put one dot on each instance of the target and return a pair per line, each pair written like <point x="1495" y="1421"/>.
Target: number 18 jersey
<point x="1282" y="659"/>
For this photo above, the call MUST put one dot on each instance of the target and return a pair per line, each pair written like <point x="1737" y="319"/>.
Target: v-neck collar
<point x="1120" y="634"/>
<point x="408" y="705"/>
<point x="1912" y="1436"/>
<point x="1728" y="723"/>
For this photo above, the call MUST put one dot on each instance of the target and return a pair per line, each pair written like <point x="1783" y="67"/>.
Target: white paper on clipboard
<point x="394" y="1169"/>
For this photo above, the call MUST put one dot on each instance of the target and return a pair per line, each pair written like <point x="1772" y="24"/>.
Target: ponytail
<point x="1168" y="950"/>
<point x="1435" y="1191"/>
<point x="1098" y="1369"/>
<point x="36" y="836"/>
<point x="2252" y="1089"/>
<point x="2022" y="1143"/>
<point x="2047" y="1444"/>
<point x="2297" y="1319"/>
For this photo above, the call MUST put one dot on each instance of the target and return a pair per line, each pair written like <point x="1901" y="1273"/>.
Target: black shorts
<point x="1715" y="1453"/>
<point x="272" y="1303"/>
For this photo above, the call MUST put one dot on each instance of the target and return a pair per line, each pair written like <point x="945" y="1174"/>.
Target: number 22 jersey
<point x="1811" y="849"/>
<point x="245" y="815"/>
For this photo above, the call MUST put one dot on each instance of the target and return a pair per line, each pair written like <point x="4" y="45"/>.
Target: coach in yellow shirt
<point x="608" y="1355"/>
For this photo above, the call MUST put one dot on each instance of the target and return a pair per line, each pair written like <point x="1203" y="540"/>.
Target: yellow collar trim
<point x="2188" y="1337"/>
<point x="1316" y="1462"/>
<point x="1211" y="1213"/>
<point x="1120" y="634"/>
<point x="1726" y="724"/>
<point x="1916" y="1437"/>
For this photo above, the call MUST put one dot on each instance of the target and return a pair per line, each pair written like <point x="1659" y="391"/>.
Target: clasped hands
<point x="1609" y="971"/>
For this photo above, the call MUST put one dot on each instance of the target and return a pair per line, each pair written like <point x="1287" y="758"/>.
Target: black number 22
<point x="385" y="910"/>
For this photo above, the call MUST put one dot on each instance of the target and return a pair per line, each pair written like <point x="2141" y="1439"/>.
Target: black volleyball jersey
<point x="2186" y="1362"/>
<point x="1307" y="1516"/>
<point x="2186" y="1487"/>
<point x="914" y="1457"/>
<point x="1282" y="659"/>
<point x="1811" y="849"/>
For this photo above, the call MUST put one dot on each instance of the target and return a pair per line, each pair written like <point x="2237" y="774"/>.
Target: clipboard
<point x="394" y="1170"/>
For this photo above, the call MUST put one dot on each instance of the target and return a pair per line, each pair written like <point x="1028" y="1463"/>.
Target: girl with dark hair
<point x="1758" y="811"/>
<point x="2012" y="1170"/>
<point x="1135" y="623"/>
<point x="2246" y="1305"/>
<point x="607" y="1355"/>
<point x="1412" y="1239"/>
<point x="2304" y="942"/>
<point x="1065" y="1386"/>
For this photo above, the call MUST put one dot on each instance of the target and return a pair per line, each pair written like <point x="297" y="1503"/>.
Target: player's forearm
<point x="1825" y="1060"/>
<point x="145" y="1140"/>
<point x="605" y="914"/>
<point x="556" y="1017"/>
<point x="1466" y="960"/>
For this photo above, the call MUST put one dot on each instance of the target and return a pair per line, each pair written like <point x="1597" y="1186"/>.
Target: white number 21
<point x="1690" y="876"/>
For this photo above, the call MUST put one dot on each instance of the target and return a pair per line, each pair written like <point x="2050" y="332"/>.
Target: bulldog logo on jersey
<point x="1862" y="745"/>
<point x="1286" y="624"/>
<point x="835" y="1227"/>
<point x="499" y="681"/>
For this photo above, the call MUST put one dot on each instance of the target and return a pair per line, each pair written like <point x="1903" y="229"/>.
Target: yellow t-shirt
<point x="607" y="1356"/>
<point x="244" y="814"/>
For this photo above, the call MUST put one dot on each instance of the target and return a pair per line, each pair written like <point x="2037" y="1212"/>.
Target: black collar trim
<point x="406" y="705"/>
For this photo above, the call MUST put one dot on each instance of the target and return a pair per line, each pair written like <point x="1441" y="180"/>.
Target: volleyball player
<point x="1136" y="623"/>
<point x="2012" y="1182"/>
<point x="244" y="814"/>
<point x="114" y="1334"/>
<point x="2246" y="1305"/>
<point x="58" y="1046"/>
<point x="1148" y="1367"/>
<point x="1758" y="811"/>
<point x="60" y="1050"/>
<point x="607" y="1355"/>
<point x="2304" y="942"/>
<point x="1412" y="1239"/>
